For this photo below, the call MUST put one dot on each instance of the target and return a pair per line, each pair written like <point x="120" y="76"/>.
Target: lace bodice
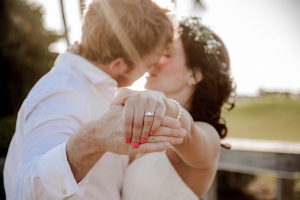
<point x="152" y="177"/>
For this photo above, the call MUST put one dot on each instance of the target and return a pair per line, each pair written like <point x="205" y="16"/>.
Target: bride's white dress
<point x="153" y="177"/>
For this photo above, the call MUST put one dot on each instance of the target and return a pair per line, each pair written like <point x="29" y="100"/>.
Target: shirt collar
<point x="86" y="68"/>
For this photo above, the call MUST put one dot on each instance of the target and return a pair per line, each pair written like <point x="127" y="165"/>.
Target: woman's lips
<point x="150" y="81"/>
<point x="150" y="76"/>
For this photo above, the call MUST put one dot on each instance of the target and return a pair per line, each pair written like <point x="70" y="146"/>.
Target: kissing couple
<point x="76" y="139"/>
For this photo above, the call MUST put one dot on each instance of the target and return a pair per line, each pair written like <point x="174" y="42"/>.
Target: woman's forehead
<point x="174" y="46"/>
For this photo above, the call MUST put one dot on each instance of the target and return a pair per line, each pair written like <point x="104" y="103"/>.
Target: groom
<point x="69" y="129"/>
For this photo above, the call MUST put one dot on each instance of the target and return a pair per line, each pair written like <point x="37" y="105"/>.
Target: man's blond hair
<point x="129" y="29"/>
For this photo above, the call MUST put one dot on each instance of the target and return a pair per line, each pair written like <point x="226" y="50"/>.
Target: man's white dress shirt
<point x="73" y="93"/>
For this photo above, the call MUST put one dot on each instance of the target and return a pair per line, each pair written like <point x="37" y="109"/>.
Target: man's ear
<point x="195" y="76"/>
<point x="118" y="66"/>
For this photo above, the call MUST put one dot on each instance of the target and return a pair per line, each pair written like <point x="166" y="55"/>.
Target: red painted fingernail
<point x="152" y="132"/>
<point x="135" y="145"/>
<point x="127" y="140"/>
<point x="142" y="140"/>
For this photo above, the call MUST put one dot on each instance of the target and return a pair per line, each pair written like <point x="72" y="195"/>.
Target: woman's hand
<point x="143" y="116"/>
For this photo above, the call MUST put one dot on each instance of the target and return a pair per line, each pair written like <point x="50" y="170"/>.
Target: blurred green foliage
<point x="24" y="58"/>
<point x="267" y="117"/>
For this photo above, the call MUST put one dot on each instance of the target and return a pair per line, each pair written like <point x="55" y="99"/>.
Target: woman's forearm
<point x="201" y="146"/>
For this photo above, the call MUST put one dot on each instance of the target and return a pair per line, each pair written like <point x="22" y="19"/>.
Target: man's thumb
<point x="123" y="94"/>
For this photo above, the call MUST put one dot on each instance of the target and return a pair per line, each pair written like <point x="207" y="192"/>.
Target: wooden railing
<point x="256" y="157"/>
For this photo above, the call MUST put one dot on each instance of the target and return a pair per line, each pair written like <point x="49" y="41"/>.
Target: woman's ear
<point x="198" y="75"/>
<point x="118" y="66"/>
<point x="195" y="76"/>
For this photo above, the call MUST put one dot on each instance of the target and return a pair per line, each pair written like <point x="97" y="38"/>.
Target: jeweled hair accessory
<point x="202" y="34"/>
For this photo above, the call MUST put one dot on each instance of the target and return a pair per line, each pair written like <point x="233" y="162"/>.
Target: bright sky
<point x="262" y="37"/>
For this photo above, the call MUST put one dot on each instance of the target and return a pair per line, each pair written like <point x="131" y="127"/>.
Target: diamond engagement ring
<point x="149" y="114"/>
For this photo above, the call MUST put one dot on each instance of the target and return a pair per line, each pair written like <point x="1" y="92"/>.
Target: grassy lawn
<point x="267" y="118"/>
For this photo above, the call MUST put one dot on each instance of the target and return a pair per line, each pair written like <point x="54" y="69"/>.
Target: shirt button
<point x="64" y="191"/>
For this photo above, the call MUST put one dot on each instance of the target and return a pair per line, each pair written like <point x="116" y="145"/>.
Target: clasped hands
<point x="125" y="130"/>
<point x="133" y="131"/>
<point x="144" y="120"/>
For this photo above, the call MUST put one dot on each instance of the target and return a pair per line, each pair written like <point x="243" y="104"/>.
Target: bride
<point x="195" y="73"/>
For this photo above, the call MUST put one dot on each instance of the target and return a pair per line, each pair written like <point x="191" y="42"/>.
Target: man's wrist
<point x="93" y="138"/>
<point x="83" y="151"/>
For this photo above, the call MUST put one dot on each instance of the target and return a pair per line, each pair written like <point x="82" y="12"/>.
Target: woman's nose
<point x="160" y="64"/>
<point x="154" y="67"/>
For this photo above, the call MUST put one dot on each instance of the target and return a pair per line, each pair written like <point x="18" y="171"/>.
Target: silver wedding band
<point x="149" y="114"/>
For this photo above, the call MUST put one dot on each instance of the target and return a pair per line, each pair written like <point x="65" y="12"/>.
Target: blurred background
<point x="262" y="37"/>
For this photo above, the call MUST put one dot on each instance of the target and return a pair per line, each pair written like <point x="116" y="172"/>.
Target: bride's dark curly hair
<point x="217" y="87"/>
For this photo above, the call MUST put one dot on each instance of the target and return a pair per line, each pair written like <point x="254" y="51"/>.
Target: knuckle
<point x="154" y="139"/>
<point x="145" y="133"/>
<point x="142" y="100"/>
<point x="161" y="104"/>
<point x="151" y="139"/>
<point x="124" y="90"/>
<point x="127" y="121"/>
<point x="148" y="120"/>
<point x="161" y="94"/>
<point x="152" y="100"/>
<point x="155" y="127"/>
<point x="157" y="130"/>
<point x="135" y="137"/>
<point x="145" y="148"/>
<point x="159" y="117"/>
<point x="139" y="103"/>
<point x="130" y="102"/>
<point x="138" y="123"/>
<point x="126" y="132"/>
<point x="138" y="120"/>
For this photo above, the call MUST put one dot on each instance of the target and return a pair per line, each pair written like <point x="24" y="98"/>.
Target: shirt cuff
<point x="56" y="175"/>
